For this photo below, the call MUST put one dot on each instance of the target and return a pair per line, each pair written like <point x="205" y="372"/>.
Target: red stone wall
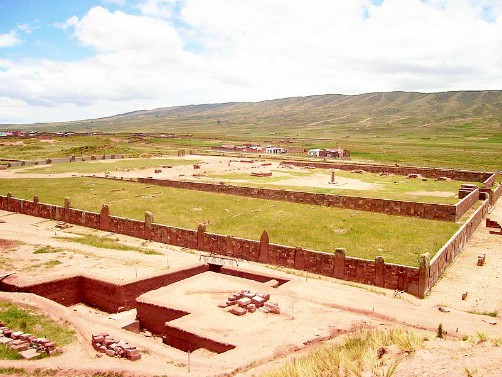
<point x="489" y="181"/>
<point x="497" y="193"/>
<point x="335" y="265"/>
<point x="154" y="317"/>
<point x="132" y="290"/>
<point x="105" y="295"/>
<point x="187" y="341"/>
<point x="64" y="290"/>
<point x="459" y="175"/>
<point x="250" y="275"/>
<point x="454" y="245"/>
<point x="431" y="211"/>
<point x="466" y="204"/>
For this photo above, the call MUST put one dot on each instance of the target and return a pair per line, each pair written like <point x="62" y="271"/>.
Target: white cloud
<point x="116" y="2"/>
<point x="9" y="39"/>
<point x="158" y="8"/>
<point x="193" y="51"/>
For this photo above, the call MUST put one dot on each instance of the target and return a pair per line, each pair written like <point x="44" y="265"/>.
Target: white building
<point x="275" y="150"/>
<point x="314" y="152"/>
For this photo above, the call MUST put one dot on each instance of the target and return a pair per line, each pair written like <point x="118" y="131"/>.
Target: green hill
<point x="461" y="128"/>
<point x="312" y="115"/>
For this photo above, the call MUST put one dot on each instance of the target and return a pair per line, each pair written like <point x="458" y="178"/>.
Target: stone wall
<point x="17" y="163"/>
<point x="466" y="204"/>
<point x="65" y="290"/>
<point x="416" y="281"/>
<point x="497" y="193"/>
<point x="458" y="175"/>
<point x="489" y="182"/>
<point x="154" y="317"/>
<point x="431" y="211"/>
<point x="334" y="265"/>
<point x="187" y="341"/>
<point x="449" y="251"/>
<point x="103" y="293"/>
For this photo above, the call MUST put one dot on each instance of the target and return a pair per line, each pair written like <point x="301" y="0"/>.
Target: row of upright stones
<point x="340" y="269"/>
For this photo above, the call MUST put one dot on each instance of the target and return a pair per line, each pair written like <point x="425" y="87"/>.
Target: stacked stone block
<point x="104" y="343"/>
<point x="27" y="345"/>
<point x="246" y="301"/>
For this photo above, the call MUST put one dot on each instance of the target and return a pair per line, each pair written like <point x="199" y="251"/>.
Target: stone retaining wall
<point x="458" y="175"/>
<point x="489" y="182"/>
<point x="449" y="251"/>
<point x="17" y="163"/>
<point x="431" y="211"/>
<point x="102" y="294"/>
<point x="466" y="204"/>
<point x="416" y="281"/>
<point x="336" y="265"/>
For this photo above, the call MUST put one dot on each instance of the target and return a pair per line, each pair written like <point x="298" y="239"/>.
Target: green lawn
<point x="365" y="235"/>
<point x="386" y="187"/>
<point x="91" y="167"/>
<point x="26" y="320"/>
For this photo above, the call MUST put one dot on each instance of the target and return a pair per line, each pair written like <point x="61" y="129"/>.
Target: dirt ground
<point x="265" y="340"/>
<point x="212" y="165"/>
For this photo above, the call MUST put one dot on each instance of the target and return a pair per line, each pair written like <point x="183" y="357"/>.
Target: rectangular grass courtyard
<point x="398" y="239"/>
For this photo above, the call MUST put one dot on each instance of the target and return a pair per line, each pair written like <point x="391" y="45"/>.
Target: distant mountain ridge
<point x="308" y="115"/>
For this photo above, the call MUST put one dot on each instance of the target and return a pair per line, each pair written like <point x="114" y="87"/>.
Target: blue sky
<point x="67" y="60"/>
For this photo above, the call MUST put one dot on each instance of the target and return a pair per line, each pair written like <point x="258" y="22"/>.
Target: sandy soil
<point x="439" y="194"/>
<point x="260" y="338"/>
<point x="7" y="143"/>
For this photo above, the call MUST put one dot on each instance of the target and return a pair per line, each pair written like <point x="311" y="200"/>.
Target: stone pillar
<point x="300" y="259"/>
<point x="339" y="271"/>
<point x="66" y="207"/>
<point x="104" y="218"/>
<point x="148" y="224"/>
<point x="201" y="230"/>
<point x="264" y="242"/>
<point x="401" y="273"/>
<point x="423" y="274"/>
<point x="229" y="247"/>
<point x="379" y="267"/>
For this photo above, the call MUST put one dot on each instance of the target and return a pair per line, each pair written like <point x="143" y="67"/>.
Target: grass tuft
<point x="106" y="243"/>
<point x="363" y="351"/>
<point x="48" y="250"/>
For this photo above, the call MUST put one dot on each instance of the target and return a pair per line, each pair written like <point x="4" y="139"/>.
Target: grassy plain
<point x="366" y="235"/>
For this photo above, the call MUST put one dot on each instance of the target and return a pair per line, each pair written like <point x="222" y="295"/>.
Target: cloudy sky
<point x="78" y="59"/>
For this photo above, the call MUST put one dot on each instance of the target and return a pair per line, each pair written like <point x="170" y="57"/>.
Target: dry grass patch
<point x="365" y="352"/>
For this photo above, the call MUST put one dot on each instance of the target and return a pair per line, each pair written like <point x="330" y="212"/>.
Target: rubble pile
<point x="104" y="343"/>
<point x="246" y="301"/>
<point x="28" y="345"/>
